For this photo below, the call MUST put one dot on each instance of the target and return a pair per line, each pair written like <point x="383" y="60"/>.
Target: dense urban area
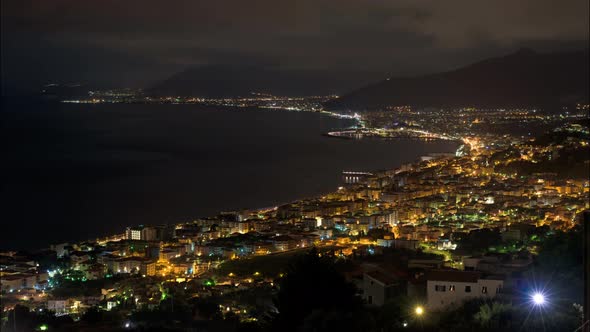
<point x="488" y="237"/>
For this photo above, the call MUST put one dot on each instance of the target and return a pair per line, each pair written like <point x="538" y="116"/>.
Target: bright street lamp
<point x="538" y="299"/>
<point x="419" y="310"/>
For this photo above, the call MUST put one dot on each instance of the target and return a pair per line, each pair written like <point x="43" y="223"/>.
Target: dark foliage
<point x="314" y="296"/>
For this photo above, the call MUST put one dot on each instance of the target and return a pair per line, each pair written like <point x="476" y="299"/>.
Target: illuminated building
<point x="57" y="306"/>
<point x="141" y="233"/>
<point x="451" y="288"/>
<point x="133" y="234"/>
<point x="148" y="268"/>
<point x="283" y="243"/>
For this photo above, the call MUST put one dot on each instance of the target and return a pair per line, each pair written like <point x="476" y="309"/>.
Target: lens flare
<point x="538" y="299"/>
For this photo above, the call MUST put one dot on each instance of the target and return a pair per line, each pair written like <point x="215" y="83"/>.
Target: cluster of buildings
<point x="420" y="209"/>
<point x="20" y="272"/>
<point x="473" y="121"/>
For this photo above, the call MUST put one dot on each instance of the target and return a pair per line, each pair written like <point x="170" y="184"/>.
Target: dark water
<point x="73" y="172"/>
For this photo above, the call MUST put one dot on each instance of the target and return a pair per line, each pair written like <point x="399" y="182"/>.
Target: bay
<point x="75" y="172"/>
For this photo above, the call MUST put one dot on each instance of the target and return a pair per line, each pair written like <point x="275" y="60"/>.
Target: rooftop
<point x="383" y="278"/>
<point x="453" y="275"/>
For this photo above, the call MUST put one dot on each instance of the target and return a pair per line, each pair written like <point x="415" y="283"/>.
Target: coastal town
<point x="295" y="166"/>
<point x="460" y="225"/>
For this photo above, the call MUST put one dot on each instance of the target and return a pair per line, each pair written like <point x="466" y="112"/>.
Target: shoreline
<point x="336" y="173"/>
<point x="297" y="200"/>
<point x="274" y="206"/>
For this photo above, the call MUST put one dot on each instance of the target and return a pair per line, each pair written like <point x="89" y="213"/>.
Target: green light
<point x="43" y="327"/>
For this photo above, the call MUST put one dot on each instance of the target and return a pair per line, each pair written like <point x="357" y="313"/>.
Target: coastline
<point x="176" y="198"/>
<point x="297" y="200"/>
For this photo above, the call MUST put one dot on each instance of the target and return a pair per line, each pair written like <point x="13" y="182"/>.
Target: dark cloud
<point x="135" y="41"/>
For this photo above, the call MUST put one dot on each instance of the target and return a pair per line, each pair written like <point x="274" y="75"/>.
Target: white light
<point x="538" y="299"/>
<point x="127" y="325"/>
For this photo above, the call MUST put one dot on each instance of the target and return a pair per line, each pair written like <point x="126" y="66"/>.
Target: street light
<point x="419" y="310"/>
<point x="538" y="299"/>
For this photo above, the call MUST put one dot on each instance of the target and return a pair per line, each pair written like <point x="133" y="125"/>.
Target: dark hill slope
<point x="524" y="78"/>
<point x="215" y="81"/>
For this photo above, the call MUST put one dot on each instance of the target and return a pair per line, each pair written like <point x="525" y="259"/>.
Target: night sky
<point x="134" y="43"/>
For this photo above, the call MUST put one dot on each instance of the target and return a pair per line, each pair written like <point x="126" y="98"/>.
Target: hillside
<point x="215" y="81"/>
<point x="524" y="78"/>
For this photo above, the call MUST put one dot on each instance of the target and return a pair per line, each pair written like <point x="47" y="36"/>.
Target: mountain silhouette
<point x="221" y="80"/>
<point x="522" y="79"/>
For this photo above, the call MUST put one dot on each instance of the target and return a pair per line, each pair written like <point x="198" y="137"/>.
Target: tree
<point x="391" y="316"/>
<point x="22" y="319"/>
<point x="19" y="319"/>
<point x="313" y="293"/>
<point x="560" y="264"/>
<point x="495" y="314"/>
<point x="92" y="315"/>
<point x="481" y="239"/>
<point x="207" y="309"/>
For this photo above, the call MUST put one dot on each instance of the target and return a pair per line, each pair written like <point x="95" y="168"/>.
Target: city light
<point x="419" y="310"/>
<point x="538" y="299"/>
<point x="464" y="188"/>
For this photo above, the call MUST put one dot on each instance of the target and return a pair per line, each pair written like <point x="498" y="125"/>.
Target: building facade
<point x="450" y="288"/>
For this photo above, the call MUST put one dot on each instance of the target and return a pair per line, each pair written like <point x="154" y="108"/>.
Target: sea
<point x="74" y="172"/>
